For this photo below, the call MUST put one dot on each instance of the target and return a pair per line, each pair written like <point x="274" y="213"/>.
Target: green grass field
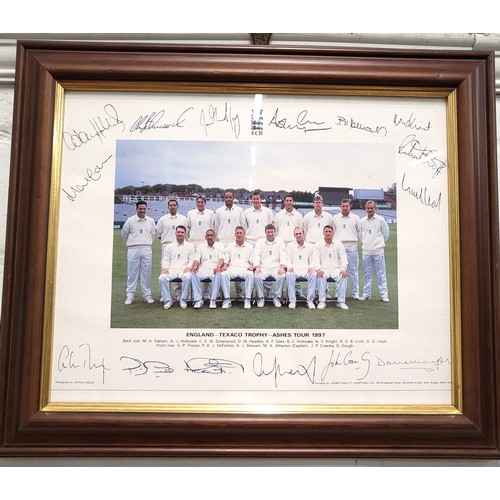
<point x="372" y="314"/>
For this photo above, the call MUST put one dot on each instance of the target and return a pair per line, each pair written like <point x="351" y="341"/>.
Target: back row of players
<point x="254" y="245"/>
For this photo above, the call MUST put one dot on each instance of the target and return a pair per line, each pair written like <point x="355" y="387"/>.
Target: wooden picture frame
<point x="30" y="427"/>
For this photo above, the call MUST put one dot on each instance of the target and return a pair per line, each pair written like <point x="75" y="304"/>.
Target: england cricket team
<point x="263" y="255"/>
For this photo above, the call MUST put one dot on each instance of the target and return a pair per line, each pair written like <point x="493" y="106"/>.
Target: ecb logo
<point x="257" y="122"/>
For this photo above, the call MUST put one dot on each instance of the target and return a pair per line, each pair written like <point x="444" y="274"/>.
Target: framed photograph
<point x="131" y="159"/>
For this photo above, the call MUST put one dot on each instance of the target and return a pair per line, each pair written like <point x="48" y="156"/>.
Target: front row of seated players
<point x="269" y="260"/>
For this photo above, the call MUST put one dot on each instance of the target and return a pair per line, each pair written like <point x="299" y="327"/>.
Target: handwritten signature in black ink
<point x="428" y="365"/>
<point x="214" y="115"/>
<point x="411" y="123"/>
<point x="100" y="125"/>
<point x="153" y="121"/>
<point x="338" y="358"/>
<point x="81" y="357"/>
<point x="300" y="122"/>
<point x="356" y="125"/>
<point x="411" y="146"/>
<point x="421" y="194"/>
<point x="139" y="367"/>
<point x="277" y="370"/>
<point x="91" y="175"/>
<point x="212" y="366"/>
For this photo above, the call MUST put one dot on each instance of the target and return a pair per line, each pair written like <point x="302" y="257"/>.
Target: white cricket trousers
<point x="139" y="261"/>
<point x="374" y="263"/>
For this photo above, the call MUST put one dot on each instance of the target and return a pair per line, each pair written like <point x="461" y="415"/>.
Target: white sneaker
<point x="198" y="305"/>
<point x="226" y="304"/>
<point x="342" y="305"/>
<point x="321" y="305"/>
<point x="167" y="305"/>
<point x="310" y="304"/>
<point x="213" y="304"/>
<point x="149" y="300"/>
<point x="182" y="303"/>
<point x="292" y="305"/>
<point x="247" y="304"/>
<point x="362" y="299"/>
<point x="385" y="299"/>
<point x="261" y="302"/>
<point x="130" y="300"/>
<point x="355" y="296"/>
<point x="277" y="302"/>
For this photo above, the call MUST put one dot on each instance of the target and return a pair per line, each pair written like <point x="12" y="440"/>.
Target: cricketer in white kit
<point x="374" y="235"/>
<point x="330" y="261"/>
<point x="208" y="262"/>
<point x="347" y="229"/>
<point x="138" y="234"/>
<point x="177" y="261"/>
